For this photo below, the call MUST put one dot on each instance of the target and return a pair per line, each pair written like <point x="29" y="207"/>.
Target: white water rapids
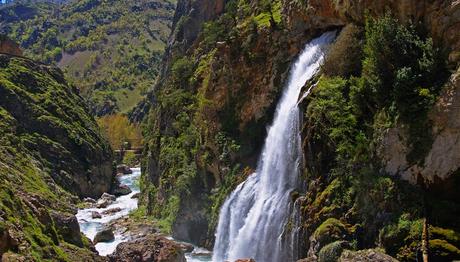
<point x="252" y="221"/>
<point x="90" y="226"/>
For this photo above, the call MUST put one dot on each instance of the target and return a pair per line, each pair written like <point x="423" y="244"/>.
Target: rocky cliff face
<point x="9" y="47"/>
<point x="51" y="153"/>
<point x="223" y="75"/>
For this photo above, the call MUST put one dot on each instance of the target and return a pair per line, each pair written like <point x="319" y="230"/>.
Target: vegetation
<point x="47" y="137"/>
<point x="111" y="50"/>
<point x="194" y="139"/>
<point x="118" y="131"/>
<point x="395" y="86"/>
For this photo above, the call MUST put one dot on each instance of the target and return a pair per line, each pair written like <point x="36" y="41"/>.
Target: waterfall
<point x="253" y="218"/>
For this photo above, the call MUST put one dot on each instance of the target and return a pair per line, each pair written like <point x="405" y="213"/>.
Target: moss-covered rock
<point x="51" y="153"/>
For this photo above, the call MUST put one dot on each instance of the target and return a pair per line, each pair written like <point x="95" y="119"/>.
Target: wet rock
<point x="111" y="211"/>
<point x="106" y="235"/>
<point x="332" y="251"/>
<point x="121" y="190"/>
<point x="365" y="256"/>
<point x="124" y="169"/>
<point x="137" y="195"/>
<point x="148" y="249"/>
<point x="95" y="215"/>
<point x="245" y="260"/>
<point x="186" y="247"/>
<point x="67" y="226"/>
<point x="108" y="196"/>
<point x="89" y="200"/>
<point x="105" y="200"/>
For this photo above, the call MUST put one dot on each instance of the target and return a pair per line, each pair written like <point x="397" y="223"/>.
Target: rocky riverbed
<point x="117" y="236"/>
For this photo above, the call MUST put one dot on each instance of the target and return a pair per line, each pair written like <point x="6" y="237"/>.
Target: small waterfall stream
<point x="253" y="218"/>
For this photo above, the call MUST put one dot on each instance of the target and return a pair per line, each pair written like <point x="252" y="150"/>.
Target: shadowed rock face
<point x="443" y="159"/>
<point x="441" y="18"/>
<point x="9" y="47"/>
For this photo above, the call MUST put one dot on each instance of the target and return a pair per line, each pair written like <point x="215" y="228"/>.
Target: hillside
<point x="52" y="153"/>
<point x="111" y="50"/>
<point x="377" y="171"/>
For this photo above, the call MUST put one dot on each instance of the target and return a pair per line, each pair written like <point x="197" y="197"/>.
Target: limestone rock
<point x="121" y="190"/>
<point x="105" y="235"/>
<point x="105" y="200"/>
<point x="8" y="46"/>
<point x="111" y="211"/>
<point x="148" y="249"/>
<point x="68" y="227"/>
<point x="365" y="256"/>
<point x="95" y="215"/>
<point x="444" y="157"/>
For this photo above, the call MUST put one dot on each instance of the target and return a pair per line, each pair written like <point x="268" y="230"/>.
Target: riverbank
<point x="112" y="214"/>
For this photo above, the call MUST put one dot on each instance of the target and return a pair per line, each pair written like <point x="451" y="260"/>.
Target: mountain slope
<point x="51" y="152"/>
<point x="110" y="49"/>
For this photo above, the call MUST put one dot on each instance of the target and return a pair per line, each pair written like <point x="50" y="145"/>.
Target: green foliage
<point x="331" y="252"/>
<point x="44" y="130"/>
<point x="401" y="68"/>
<point x="182" y="69"/>
<point x="331" y="113"/>
<point x="130" y="159"/>
<point x="110" y="46"/>
<point x="397" y="84"/>
<point x="330" y="227"/>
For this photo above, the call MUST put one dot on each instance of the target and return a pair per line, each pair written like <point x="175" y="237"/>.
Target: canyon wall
<point x="223" y="74"/>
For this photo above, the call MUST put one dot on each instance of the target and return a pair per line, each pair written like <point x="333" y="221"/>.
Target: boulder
<point x="365" y="256"/>
<point x="106" y="235"/>
<point x="108" y="196"/>
<point x="124" y="169"/>
<point x="89" y="200"/>
<point x="95" y="215"/>
<point x="111" y="211"/>
<point x="68" y="227"/>
<point x="148" y="249"/>
<point x="105" y="200"/>
<point x="186" y="247"/>
<point x="122" y="190"/>
<point x="137" y="195"/>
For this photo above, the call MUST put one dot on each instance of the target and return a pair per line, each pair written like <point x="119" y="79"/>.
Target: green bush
<point x="400" y="67"/>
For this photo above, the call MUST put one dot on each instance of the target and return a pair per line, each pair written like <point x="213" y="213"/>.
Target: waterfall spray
<point x="253" y="218"/>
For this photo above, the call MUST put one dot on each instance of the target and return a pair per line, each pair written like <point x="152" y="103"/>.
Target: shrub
<point x="400" y="67"/>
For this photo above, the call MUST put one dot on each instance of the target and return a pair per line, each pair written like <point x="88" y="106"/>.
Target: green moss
<point x="52" y="131"/>
<point x="331" y="226"/>
<point x="447" y="234"/>
<point x="443" y="249"/>
<point x="331" y="252"/>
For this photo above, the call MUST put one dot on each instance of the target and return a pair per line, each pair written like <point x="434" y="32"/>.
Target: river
<point x="90" y="226"/>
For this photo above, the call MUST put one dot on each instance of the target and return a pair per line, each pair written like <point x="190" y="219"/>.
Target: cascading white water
<point x="253" y="218"/>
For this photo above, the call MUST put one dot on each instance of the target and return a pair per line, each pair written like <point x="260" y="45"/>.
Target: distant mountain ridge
<point x="112" y="55"/>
